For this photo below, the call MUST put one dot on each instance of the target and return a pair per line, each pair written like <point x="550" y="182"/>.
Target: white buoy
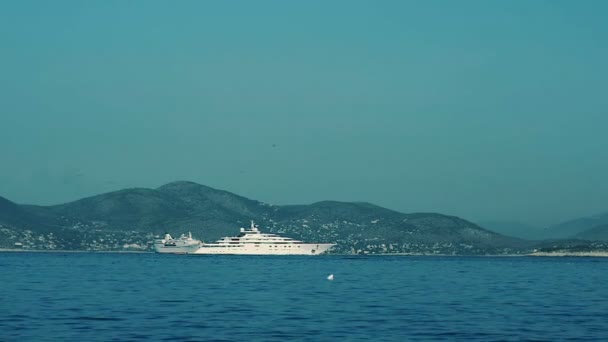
<point x="330" y="277"/>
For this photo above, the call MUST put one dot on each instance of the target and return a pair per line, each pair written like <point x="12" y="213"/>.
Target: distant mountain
<point x="597" y="233"/>
<point x="515" y="229"/>
<point x="12" y="214"/>
<point x="571" y="247"/>
<point x="572" y="228"/>
<point x="131" y="218"/>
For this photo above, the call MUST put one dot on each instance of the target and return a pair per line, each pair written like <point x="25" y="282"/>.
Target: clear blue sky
<point x="481" y="109"/>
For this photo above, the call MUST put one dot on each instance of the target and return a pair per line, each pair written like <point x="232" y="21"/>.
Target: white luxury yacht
<point x="185" y="244"/>
<point x="252" y="241"/>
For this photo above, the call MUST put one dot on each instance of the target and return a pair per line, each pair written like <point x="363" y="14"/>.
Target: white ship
<point x="185" y="244"/>
<point x="252" y="241"/>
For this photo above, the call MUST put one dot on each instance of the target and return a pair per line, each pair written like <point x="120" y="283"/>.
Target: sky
<point x="488" y="110"/>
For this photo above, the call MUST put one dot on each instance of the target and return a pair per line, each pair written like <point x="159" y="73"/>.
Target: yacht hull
<point x="267" y="249"/>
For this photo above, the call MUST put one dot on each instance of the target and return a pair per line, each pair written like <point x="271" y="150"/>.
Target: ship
<point x="252" y="241"/>
<point x="185" y="244"/>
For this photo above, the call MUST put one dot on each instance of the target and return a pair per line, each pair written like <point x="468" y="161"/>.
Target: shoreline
<point x="598" y="254"/>
<point x="12" y="250"/>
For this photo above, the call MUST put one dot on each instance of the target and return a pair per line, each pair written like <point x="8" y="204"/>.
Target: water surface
<point x="132" y="297"/>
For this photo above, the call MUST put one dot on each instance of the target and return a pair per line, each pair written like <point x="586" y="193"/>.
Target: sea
<point x="154" y="297"/>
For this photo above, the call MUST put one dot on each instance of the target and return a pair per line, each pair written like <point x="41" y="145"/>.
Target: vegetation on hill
<point x="131" y="218"/>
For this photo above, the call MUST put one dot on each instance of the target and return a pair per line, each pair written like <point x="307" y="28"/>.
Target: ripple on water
<point x="91" y="318"/>
<point x="124" y="297"/>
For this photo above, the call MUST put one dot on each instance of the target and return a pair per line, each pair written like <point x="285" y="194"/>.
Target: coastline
<point x="601" y="254"/>
<point x="12" y="250"/>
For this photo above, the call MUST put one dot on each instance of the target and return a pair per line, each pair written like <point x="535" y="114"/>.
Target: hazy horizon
<point x="483" y="110"/>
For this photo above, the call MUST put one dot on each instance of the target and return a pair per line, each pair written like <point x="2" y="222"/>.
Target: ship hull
<point x="267" y="249"/>
<point x="176" y="250"/>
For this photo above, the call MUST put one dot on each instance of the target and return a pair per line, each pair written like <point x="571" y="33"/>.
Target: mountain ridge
<point x="571" y="228"/>
<point x="595" y="233"/>
<point x="515" y="229"/>
<point x="134" y="216"/>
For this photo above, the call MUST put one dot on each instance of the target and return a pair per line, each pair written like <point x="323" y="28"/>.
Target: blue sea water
<point x="151" y="297"/>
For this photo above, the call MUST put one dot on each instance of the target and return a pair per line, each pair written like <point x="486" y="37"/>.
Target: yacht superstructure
<point x="252" y="241"/>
